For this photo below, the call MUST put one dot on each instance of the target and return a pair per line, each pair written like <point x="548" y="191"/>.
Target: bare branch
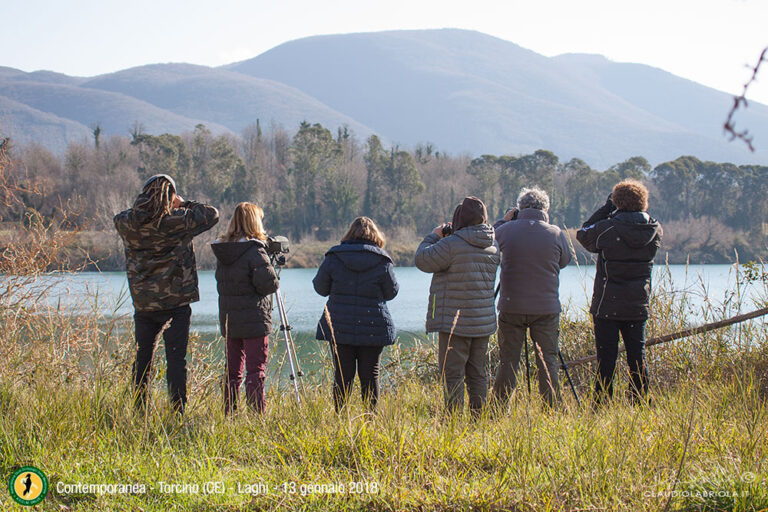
<point x="739" y="101"/>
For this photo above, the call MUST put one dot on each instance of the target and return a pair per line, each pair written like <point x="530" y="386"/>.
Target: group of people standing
<point x="358" y="278"/>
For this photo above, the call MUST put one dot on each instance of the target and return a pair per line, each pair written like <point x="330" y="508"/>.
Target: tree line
<point x="313" y="182"/>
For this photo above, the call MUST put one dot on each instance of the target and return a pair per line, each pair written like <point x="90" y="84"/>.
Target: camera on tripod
<point x="277" y="248"/>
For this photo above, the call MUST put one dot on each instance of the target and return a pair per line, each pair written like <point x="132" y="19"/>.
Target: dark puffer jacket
<point x="244" y="279"/>
<point x="358" y="278"/>
<point x="626" y="243"/>
<point x="159" y="258"/>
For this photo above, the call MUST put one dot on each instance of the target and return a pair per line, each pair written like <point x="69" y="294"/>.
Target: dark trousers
<point x="461" y="360"/>
<point x="607" y="345"/>
<point x="351" y="359"/>
<point x="513" y="335"/>
<point x="249" y="354"/>
<point x="174" y="325"/>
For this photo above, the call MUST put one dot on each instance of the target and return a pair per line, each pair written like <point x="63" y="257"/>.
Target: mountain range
<point x="459" y="90"/>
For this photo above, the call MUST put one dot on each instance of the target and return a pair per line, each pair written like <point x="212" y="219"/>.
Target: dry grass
<point x="65" y="400"/>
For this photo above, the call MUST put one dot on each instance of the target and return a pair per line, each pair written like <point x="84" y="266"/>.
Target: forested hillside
<point x="313" y="182"/>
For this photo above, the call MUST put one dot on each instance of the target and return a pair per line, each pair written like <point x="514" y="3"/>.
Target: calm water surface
<point x="108" y="293"/>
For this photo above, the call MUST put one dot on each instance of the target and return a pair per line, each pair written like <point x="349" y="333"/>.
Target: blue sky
<point x="709" y="41"/>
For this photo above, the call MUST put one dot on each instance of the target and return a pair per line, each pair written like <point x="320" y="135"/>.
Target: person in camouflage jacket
<point x="162" y="276"/>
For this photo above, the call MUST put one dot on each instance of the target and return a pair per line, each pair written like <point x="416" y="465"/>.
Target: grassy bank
<point x="103" y="250"/>
<point x="700" y="445"/>
<point x="65" y="407"/>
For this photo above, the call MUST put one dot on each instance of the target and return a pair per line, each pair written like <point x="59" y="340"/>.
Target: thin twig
<point x="738" y="101"/>
<point x="688" y="436"/>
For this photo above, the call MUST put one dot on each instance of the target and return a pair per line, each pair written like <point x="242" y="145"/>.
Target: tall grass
<point x="701" y="445"/>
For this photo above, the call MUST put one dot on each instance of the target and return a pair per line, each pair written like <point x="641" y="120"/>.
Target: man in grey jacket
<point x="461" y="310"/>
<point x="532" y="253"/>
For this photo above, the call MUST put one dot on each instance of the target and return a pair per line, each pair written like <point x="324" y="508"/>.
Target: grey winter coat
<point x="532" y="253"/>
<point x="464" y="265"/>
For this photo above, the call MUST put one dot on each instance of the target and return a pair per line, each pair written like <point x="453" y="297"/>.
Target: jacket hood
<point x="470" y="212"/>
<point x="479" y="235"/>
<point x="358" y="255"/>
<point x="637" y="229"/>
<point x="229" y="252"/>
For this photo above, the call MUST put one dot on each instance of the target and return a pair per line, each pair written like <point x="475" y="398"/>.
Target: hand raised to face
<point x="440" y="230"/>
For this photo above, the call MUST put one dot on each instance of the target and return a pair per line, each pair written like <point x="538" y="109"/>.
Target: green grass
<point x="702" y="444"/>
<point x="408" y="455"/>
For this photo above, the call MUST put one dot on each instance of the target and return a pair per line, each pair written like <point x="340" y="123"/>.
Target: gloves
<point x="602" y="213"/>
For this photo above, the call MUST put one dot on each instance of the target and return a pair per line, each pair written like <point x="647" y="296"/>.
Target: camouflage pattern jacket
<point x="159" y="257"/>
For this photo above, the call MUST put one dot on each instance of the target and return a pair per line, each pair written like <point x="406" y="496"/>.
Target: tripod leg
<point x="299" y="373"/>
<point x="289" y="347"/>
<point x="564" y="366"/>
<point x="527" y="369"/>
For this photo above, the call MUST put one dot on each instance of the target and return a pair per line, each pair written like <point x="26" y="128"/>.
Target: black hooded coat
<point x="626" y="243"/>
<point x="244" y="279"/>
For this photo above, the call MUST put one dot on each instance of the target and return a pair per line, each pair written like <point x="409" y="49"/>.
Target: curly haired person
<point x="625" y="239"/>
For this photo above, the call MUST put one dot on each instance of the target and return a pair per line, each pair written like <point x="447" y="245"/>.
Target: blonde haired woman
<point x="245" y="279"/>
<point x="358" y="277"/>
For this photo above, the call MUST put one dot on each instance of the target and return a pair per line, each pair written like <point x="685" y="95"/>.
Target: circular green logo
<point x="28" y="486"/>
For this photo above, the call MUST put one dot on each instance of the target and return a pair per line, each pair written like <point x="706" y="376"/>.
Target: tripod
<point x="278" y="260"/>
<point x="563" y="366"/>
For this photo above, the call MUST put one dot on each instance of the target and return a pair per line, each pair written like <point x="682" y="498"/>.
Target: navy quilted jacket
<point x="358" y="278"/>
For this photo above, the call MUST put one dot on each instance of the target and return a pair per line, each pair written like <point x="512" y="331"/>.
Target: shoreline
<point x="103" y="251"/>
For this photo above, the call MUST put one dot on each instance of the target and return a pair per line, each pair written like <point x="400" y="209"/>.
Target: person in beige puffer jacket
<point x="461" y="300"/>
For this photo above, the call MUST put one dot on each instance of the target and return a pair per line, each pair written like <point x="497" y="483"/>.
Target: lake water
<point x="108" y="293"/>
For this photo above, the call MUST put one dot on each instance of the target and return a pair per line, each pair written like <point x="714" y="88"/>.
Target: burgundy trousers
<point x="249" y="354"/>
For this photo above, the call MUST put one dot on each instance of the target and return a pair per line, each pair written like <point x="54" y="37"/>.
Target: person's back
<point x="162" y="276"/>
<point x="159" y="256"/>
<point x="358" y="278"/>
<point x="464" y="267"/>
<point x="532" y="253"/>
<point x="245" y="280"/>
<point x="626" y="243"/>
<point x="461" y="300"/>
<point x="626" y="240"/>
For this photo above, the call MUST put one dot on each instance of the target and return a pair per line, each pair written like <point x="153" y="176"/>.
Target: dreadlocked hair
<point x="160" y="203"/>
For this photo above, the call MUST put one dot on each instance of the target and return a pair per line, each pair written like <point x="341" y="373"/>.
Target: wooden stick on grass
<point x="685" y="333"/>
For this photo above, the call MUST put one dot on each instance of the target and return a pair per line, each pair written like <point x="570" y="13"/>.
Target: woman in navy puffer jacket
<point x="358" y="277"/>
